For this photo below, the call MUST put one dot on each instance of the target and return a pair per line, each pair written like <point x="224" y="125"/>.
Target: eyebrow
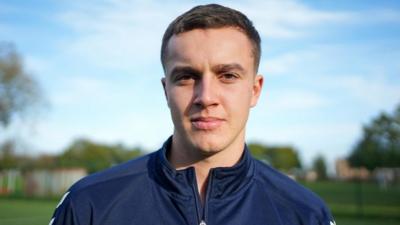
<point x="183" y="69"/>
<point x="228" y="67"/>
<point x="220" y="68"/>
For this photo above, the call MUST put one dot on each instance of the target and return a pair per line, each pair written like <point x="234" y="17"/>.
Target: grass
<point x="363" y="221"/>
<point x="350" y="203"/>
<point x="354" y="203"/>
<point x="26" y="211"/>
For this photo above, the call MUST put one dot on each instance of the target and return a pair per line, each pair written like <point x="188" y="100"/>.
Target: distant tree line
<point x="81" y="153"/>
<point x="283" y="158"/>
<point x="96" y="156"/>
<point x="379" y="145"/>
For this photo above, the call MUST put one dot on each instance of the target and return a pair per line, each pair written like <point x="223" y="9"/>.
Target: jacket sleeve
<point x="327" y="218"/>
<point x="64" y="213"/>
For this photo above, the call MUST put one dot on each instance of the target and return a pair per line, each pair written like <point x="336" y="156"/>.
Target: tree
<point x="380" y="143"/>
<point x="8" y="158"/>
<point x="319" y="166"/>
<point x="19" y="92"/>
<point x="283" y="158"/>
<point x="94" y="156"/>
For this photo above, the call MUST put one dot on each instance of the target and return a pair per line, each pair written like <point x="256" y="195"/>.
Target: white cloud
<point x="123" y="34"/>
<point x="325" y="70"/>
<point x="128" y="127"/>
<point x="286" y="63"/>
<point x="376" y="16"/>
<point x="375" y="91"/>
<point x="82" y="90"/>
<point x="118" y="34"/>
<point x="289" y="19"/>
<point x="35" y="64"/>
<point x="294" y="100"/>
<point x="332" y="138"/>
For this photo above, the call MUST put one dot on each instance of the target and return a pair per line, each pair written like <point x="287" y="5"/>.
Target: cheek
<point x="239" y="96"/>
<point x="239" y="103"/>
<point x="179" y="102"/>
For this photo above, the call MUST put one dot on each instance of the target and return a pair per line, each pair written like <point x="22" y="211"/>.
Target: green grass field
<point x="379" y="207"/>
<point x="360" y="204"/>
<point x="26" y="211"/>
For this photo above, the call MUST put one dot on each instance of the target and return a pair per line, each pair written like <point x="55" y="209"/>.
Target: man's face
<point x="210" y="86"/>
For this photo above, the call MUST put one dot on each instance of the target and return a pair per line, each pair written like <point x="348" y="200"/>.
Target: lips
<point x="206" y="123"/>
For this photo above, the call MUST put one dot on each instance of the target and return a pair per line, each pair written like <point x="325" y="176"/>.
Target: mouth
<point x="206" y="123"/>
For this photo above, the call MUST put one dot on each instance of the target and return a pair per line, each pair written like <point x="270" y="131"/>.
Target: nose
<point x="206" y="92"/>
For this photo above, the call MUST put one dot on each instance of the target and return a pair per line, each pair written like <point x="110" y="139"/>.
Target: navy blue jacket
<point x="149" y="191"/>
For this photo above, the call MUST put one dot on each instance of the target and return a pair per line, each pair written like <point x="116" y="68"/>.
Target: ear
<point x="257" y="87"/>
<point x="163" y="82"/>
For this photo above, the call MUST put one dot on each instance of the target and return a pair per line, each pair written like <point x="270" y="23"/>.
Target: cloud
<point x="286" y="100"/>
<point x="376" y="16"/>
<point x="289" y="19"/>
<point x="120" y="34"/>
<point x="35" y="64"/>
<point x="117" y="34"/>
<point x="285" y="63"/>
<point x="127" y="34"/>
<point x="374" y="91"/>
<point x="331" y="138"/>
<point x="84" y="91"/>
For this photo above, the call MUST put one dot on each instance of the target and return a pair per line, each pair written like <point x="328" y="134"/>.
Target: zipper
<point x="202" y="218"/>
<point x="205" y="207"/>
<point x="196" y="195"/>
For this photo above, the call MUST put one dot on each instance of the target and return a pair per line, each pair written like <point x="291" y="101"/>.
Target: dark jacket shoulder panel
<point x="290" y="195"/>
<point x="130" y="168"/>
<point x="89" y="199"/>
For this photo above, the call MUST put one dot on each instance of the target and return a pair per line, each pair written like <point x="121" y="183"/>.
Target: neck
<point x="183" y="156"/>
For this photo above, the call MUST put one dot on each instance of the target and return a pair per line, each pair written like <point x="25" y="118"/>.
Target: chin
<point x="207" y="150"/>
<point x="208" y="146"/>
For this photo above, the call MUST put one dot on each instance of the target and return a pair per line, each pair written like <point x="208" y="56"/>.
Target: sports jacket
<point x="149" y="191"/>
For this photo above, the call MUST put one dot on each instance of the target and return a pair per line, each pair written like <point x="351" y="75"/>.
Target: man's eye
<point x="184" y="79"/>
<point x="229" y="77"/>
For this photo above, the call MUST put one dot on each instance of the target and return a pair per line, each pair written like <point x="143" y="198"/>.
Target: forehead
<point x="210" y="46"/>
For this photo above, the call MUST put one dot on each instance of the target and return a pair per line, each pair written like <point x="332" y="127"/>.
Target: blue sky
<point x="329" y="67"/>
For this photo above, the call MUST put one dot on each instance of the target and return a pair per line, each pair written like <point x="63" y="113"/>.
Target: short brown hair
<point x="212" y="16"/>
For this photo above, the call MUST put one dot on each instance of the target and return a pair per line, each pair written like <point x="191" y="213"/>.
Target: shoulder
<point x="95" y="192"/>
<point x="292" y="197"/>
<point x="116" y="174"/>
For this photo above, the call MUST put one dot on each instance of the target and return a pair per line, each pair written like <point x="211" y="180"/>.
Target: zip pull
<point x="202" y="223"/>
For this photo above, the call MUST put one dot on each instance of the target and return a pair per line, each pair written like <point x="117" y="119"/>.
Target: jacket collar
<point x="223" y="181"/>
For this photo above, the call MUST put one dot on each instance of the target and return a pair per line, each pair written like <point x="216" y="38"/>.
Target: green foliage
<point x="380" y="143"/>
<point x="95" y="156"/>
<point x="81" y="153"/>
<point x="8" y="160"/>
<point x="19" y="92"/>
<point x="282" y="158"/>
<point x="319" y="166"/>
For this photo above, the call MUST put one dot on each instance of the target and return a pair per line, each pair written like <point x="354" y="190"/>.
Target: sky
<point x="329" y="67"/>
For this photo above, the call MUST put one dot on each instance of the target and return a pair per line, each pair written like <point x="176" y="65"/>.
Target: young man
<point x="204" y="173"/>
